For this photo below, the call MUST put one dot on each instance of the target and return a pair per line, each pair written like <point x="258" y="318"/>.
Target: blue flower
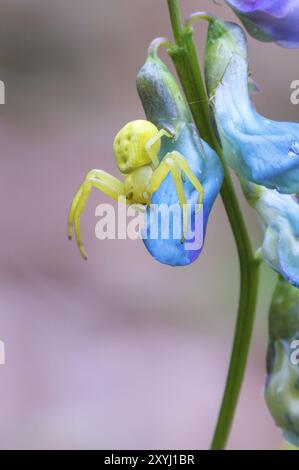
<point x="165" y="107"/>
<point x="270" y="20"/>
<point x="279" y="214"/>
<point x="282" y="383"/>
<point x="262" y="151"/>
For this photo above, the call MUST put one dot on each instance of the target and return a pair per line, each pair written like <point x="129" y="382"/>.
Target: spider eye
<point x="129" y="145"/>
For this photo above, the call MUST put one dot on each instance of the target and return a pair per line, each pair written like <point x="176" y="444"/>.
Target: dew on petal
<point x="293" y="149"/>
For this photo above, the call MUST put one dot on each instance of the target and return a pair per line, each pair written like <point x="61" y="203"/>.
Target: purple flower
<point x="270" y="20"/>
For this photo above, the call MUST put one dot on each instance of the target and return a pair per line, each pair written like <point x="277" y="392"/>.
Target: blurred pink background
<point x="119" y="352"/>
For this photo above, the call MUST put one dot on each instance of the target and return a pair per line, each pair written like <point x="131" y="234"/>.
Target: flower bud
<point x="162" y="100"/>
<point x="282" y="384"/>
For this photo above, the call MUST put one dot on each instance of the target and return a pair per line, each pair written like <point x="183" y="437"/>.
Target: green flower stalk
<point x="184" y="56"/>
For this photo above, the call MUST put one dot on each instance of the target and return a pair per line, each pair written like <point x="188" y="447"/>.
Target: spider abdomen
<point x="137" y="185"/>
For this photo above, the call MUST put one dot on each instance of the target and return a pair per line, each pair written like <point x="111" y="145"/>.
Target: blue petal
<point x="206" y="165"/>
<point x="270" y="20"/>
<point x="279" y="214"/>
<point x="263" y="151"/>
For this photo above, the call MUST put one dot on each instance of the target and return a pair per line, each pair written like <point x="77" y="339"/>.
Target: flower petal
<point x="165" y="106"/>
<point x="270" y="20"/>
<point x="263" y="151"/>
<point x="279" y="214"/>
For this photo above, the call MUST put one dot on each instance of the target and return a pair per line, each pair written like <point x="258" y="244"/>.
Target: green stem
<point x="185" y="60"/>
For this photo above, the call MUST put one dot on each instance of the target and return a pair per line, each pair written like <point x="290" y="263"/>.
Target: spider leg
<point x="158" y="176"/>
<point x="106" y="177"/>
<point x="102" y="176"/>
<point x="176" y="164"/>
<point x="72" y="212"/>
<point x="167" y="165"/>
<point x="176" y="175"/>
<point x="149" y="146"/>
<point x="105" y="183"/>
<point x="182" y="163"/>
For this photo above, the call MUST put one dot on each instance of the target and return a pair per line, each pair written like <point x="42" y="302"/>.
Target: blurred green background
<point x="119" y="352"/>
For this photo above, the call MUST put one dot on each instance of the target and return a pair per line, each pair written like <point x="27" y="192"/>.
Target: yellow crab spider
<point x="136" y="147"/>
